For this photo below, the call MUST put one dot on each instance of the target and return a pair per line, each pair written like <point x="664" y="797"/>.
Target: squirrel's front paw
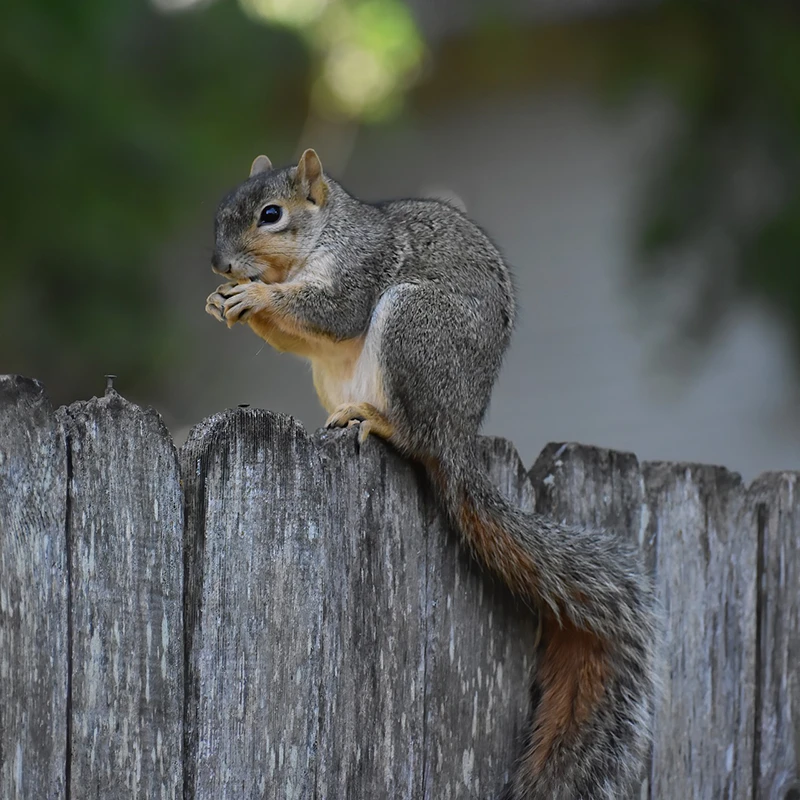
<point x="215" y="302"/>
<point x="235" y="302"/>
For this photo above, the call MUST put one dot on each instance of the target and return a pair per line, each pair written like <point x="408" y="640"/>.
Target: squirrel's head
<point x="268" y="226"/>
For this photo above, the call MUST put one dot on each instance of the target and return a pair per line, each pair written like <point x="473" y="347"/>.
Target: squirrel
<point x="405" y="309"/>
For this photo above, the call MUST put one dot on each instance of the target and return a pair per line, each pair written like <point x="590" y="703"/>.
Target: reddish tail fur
<point x="592" y="690"/>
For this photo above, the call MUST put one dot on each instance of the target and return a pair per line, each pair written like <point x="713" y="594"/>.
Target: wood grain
<point x="125" y="531"/>
<point x="705" y="581"/>
<point x="373" y="734"/>
<point x="257" y="528"/>
<point x="480" y="655"/>
<point x="33" y="594"/>
<point x="377" y="662"/>
<point x="772" y="518"/>
<point x="316" y="630"/>
<point x="594" y="488"/>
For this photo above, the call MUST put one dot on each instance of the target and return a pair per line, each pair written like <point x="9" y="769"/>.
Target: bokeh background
<point x="636" y="161"/>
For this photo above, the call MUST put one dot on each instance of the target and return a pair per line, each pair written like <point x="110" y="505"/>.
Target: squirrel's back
<point x="445" y="246"/>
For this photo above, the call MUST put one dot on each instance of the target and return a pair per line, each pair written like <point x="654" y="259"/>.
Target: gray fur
<point x="446" y="330"/>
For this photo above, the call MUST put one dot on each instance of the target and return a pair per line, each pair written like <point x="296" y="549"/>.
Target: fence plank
<point x="125" y="527"/>
<point x="33" y="594"/>
<point x="480" y="653"/>
<point x="256" y="530"/>
<point x="590" y="487"/>
<point x="772" y="518"/>
<point x="373" y="736"/>
<point x="439" y="715"/>
<point x="383" y="596"/>
<point x="593" y="487"/>
<point x="705" y="579"/>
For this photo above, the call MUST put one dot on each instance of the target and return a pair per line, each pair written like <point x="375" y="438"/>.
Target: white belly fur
<point x="348" y="374"/>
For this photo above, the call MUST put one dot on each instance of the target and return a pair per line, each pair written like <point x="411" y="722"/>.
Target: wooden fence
<point x="271" y="614"/>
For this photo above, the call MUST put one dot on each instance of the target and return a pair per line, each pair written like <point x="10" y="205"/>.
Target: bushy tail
<point x="592" y="692"/>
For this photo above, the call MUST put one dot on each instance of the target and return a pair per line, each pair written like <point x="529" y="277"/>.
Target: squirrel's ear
<point x="311" y="179"/>
<point x="260" y="164"/>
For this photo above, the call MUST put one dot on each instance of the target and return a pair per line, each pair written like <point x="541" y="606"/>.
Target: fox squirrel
<point x="405" y="310"/>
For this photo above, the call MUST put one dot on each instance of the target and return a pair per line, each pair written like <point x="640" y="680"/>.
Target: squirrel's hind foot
<point x="366" y="416"/>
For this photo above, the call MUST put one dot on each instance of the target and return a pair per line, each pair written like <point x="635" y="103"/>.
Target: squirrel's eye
<point x="270" y="215"/>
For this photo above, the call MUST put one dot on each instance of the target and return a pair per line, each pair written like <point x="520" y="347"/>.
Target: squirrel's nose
<point x="220" y="265"/>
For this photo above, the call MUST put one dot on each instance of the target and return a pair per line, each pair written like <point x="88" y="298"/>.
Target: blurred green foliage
<point x="116" y="118"/>
<point x="367" y="52"/>
<point x="723" y="207"/>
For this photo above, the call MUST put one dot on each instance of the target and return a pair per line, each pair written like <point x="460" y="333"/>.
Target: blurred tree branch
<point x="725" y="197"/>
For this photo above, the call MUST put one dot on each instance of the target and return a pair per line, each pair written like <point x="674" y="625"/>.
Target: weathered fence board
<point x="314" y="630"/>
<point x="705" y="569"/>
<point x="256" y="535"/>
<point x="595" y="488"/>
<point x="772" y="519"/>
<point x="479" y="656"/>
<point x="125" y="533"/>
<point x="373" y="732"/>
<point x="33" y="594"/>
<point x="340" y="555"/>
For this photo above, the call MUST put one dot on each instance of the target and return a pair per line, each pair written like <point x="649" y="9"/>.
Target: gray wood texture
<point x="257" y="530"/>
<point x="33" y="594"/>
<point x="595" y="488"/>
<point x="125" y="533"/>
<point x="338" y="641"/>
<point x="373" y="734"/>
<point x="705" y="571"/>
<point x="772" y="518"/>
<point x="480" y="655"/>
<point x="355" y="652"/>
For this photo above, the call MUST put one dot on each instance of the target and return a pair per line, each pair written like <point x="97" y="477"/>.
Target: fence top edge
<point x="555" y="455"/>
<point x="17" y="387"/>
<point x="14" y="387"/>
<point x="83" y="418"/>
<point x="208" y="431"/>
<point x="499" y="447"/>
<point x="559" y="449"/>
<point x="113" y="403"/>
<point x="659" y="472"/>
<point x="773" y="481"/>
<point x="497" y="443"/>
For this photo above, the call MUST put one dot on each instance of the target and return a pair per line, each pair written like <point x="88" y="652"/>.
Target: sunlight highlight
<point x="178" y="5"/>
<point x="292" y="13"/>
<point x="369" y="52"/>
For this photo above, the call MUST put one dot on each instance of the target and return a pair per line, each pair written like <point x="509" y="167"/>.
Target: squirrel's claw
<point x="234" y="302"/>
<point x="366" y="416"/>
<point x="215" y="302"/>
<point x="214" y="306"/>
<point x="364" y="429"/>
